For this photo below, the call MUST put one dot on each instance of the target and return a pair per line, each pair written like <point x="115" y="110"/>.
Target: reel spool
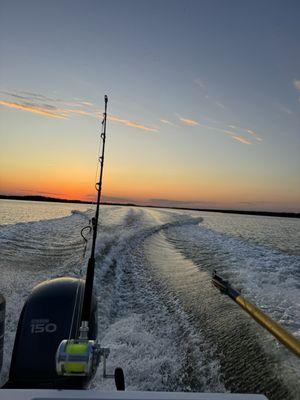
<point x="77" y="358"/>
<point x="82" y="357"/>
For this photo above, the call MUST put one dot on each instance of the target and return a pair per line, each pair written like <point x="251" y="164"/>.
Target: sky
<point x="204" y="101"/>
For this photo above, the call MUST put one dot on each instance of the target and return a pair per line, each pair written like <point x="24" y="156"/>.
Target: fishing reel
<point x="81" y="357"/>
<point x="77" y="358"/>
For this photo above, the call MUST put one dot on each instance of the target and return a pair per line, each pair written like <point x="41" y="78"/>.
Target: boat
<point x="56" y="352"/>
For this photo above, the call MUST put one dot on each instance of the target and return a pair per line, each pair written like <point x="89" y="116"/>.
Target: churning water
<point x="165" y="324"/>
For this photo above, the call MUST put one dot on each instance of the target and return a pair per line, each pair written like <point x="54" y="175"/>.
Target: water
<point x="165" y="324"/>
<point x="14" y="211"/>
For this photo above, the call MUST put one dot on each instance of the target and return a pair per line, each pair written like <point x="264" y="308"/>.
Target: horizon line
<point x="288" y="214"/>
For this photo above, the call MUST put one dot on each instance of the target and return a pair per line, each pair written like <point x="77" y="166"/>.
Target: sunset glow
<point x="202" y="116"/>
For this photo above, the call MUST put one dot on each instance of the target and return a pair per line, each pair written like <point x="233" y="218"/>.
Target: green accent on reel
<point x="74" y="368"/>
<point x="76" y="348"/>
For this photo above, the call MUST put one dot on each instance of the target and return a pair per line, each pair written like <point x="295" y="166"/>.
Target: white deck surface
<point x="44" y="394"/>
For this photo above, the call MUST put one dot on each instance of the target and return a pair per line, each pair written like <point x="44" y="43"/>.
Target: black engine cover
<point x="50" y="315"/>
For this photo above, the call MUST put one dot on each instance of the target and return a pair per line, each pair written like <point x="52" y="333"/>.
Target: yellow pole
<point x="286" y="338"/>
<point x="273" y="327"/>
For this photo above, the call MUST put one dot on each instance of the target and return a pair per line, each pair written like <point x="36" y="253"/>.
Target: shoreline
<point x="224" y="211"/>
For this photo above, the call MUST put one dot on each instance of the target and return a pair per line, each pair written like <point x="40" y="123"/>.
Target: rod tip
<point x="105" y="98"/>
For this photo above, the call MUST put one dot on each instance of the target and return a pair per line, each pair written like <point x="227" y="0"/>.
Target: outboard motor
<point x="50" y="315"/>
<point x="2" y="326"/>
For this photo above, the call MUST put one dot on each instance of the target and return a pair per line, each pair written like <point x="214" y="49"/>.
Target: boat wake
<point x="164" y="323"/>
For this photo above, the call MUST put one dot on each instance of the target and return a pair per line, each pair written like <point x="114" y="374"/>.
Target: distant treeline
<point x="243" y="212"/>
<point x="42" y="198"/>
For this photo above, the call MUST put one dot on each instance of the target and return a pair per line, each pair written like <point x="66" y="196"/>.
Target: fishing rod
<point x="81" y="356"/>
<point x="56" y="342"/>
<point x="286" y="338"/>
<point x="89" y="280"/>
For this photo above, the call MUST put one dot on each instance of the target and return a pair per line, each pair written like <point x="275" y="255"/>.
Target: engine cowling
<point x="51" y="314"/>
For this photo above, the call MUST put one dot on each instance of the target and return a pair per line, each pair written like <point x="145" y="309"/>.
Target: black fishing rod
<point x="81" y="356"/>
<point x="89" y="280"/>
<point x="56" y="342"/>
<point x="286" y="338"/>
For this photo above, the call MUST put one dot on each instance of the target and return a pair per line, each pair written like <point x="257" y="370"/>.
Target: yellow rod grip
<point x="286" y="338"/>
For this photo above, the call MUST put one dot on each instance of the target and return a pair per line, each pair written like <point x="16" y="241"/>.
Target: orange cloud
<point x="225" y="131"/>
<point x="241" y="139"/>
<point x="188" y="122"/>
<point x="254" y="134"/>
<point x="79" y="112"/>
<point x="130" y="123"/>
<point x="250" y="131"/>
<point x="34" y="109"/>
<point x="51" y="111"/>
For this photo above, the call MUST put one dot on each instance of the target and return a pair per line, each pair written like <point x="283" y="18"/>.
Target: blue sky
<point x="204" y="99"/>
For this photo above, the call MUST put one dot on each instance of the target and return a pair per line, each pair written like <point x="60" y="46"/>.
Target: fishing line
<point x="74" y="308"/>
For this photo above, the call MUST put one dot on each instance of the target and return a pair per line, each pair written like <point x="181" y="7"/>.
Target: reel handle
<point x="119" y="379"/>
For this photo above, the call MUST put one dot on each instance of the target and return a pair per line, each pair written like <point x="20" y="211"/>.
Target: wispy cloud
<point x="285" y="110"/>
<point x="200" y="83"/>
<point x="297" y="84"/>
<point x="236" y="133"/>
<point x="87" y="103"/>
<point x="227" y="132"/>
<point x="206" y="93"/>
<point x="165" y="121"/>
<point x="23" y="95"/>
<point x="188" y="122"/>
<point x="37" y="96"/>
<point x="60" y="109"/>
<point x="43" y="105"/>
<point x="219" y="104"/>
<point x="251" y="132"/>
<point x="131" y="123"/>
<point x="215" y="128"/>
<point x="241" y="139"/>
<point x="81" y="112"/>
<point x="247" y="130"/>
<point x="33" y="109"/>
